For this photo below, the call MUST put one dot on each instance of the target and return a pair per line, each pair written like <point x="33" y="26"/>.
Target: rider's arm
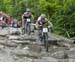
<point x="22" y="21"/>
<point x="50" y="23"/>
<point x="22" y="17"/>
<point x="39" y="18"/>
<point x="37" y="23"/>
<point x="32" y="16"/>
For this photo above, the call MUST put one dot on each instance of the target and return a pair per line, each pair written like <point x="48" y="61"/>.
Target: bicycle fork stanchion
<point x="45" y="38"/>
<point x="28" y="28"/>
<point x="25" y="28"/>
<point x="40" y="35"/>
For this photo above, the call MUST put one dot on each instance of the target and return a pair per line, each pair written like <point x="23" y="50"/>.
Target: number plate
<point x="45" y="30"/>
<point x="28" y="20"/>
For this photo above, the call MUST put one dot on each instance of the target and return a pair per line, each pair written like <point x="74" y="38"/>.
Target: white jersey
<point x="39" y="18"/>
<point x="1" y="18"/>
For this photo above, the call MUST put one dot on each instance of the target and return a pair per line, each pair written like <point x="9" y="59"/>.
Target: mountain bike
<point x="43" y="36"/>
<point x="28" y="26"/>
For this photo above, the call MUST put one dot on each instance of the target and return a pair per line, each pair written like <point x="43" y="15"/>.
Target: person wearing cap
<point x="26" y="15"/>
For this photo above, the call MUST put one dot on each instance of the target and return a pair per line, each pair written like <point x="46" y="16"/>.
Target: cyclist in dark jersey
<point x="25" y="16"/>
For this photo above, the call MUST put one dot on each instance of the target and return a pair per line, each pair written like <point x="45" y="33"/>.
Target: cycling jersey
<point x="27" y="15"/>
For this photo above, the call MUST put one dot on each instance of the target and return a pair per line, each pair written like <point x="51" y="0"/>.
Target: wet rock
<point x="64" y="44"/>
<point x="59" y="55"/>
<point x="53" y="37"/>
<point x="46" y="59"/>
<point x="25" y="59"/>
<point x="31" y="38"/>
<point x="5" y="56"/>
<point x="13" y="37"/>
<point x="1" y="46"/>
<point x="49" y="59"/>
<point x="71" y="60"/>
<point x="3" y="32"/>
<point x="60" y="38"/>
<point x="73" y="38"/>
<point x="71" y="53"/>
<point x="3" y="37"/>
<point x="20" y="42"/>
<point x="35" y="47"/>
<point x="52" y="41"/>
<point x="15" y="31"/>
<point x="27" y="48"/>
<point x="72" y="49"/>
<point x="63" y="60"/>
<point x="7" y="43"/>
<point x="25" y="52"/>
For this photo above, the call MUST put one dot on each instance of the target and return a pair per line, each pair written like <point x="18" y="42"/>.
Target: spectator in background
<point x="2" y="20"/>
<point x="1" y="16"/>
<point x="15" y="23"/>
<point x="10" y="20"/>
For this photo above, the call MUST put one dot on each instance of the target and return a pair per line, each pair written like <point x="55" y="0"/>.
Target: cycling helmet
<point x="43" y="15"/>
<point x="28" y="10"/>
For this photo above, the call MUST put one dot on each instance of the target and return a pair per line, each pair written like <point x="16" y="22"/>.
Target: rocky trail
<point x="18" y="47"/>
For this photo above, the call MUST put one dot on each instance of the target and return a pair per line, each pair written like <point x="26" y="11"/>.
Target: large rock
<point x="46" y="59"/>
<point x="25" y="52"/>
<point x="25" y="59"/>
<point x="71" y="53"/>
<point x="20" y="42"/>
<point x="60" y="38"/>
<point x="59" y="55"/>
<point x="35" y="47"/>
<point x="49" y="59"/>
<point x="31" y="38"/>
<point x="13" y="37"/>
<point x="7" y="43"/>
<point x="4" y="32"/>
<point x="64" y="44"/>
<point x="16" y="31"/>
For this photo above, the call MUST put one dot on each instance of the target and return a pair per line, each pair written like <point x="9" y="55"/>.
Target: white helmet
<point x="43" y="15"/>
<point x="27" y="9"/>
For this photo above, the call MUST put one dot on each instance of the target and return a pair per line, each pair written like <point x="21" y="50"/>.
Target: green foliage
<point x="60" y="12"/>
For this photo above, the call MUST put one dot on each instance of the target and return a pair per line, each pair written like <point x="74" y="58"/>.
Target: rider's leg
<point x="25" y="27"/>
<point x="40" y="34"/>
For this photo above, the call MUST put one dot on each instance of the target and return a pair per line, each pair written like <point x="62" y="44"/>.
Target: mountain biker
<point x="42" y="20"/>
<point x="26" y="15"/>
